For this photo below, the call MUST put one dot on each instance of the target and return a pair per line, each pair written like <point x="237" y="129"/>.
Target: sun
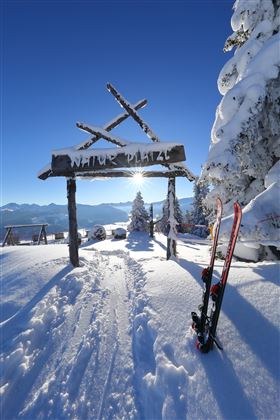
<point x="138" y="178"/>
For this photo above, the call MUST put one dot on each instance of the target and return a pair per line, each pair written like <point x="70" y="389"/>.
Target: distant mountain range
<point x="57" y="215"/>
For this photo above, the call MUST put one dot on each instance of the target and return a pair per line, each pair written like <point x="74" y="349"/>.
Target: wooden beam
<point x="40" y="236"/>
<point x="29" y="225"/>
<point x="187" y="173"/>
<point x="73" y="227"/>
<point x="45" y="235"/>
<point x="8" y="232"/>
<point x="129" y="108"/>
<point x="128" y="174"/>
<point x="101" y="134"/>
<point x="108" y="127"/>
<point x="132" y="111"/>
<point x="125" y="174"/>
<point x="115" y="158"/>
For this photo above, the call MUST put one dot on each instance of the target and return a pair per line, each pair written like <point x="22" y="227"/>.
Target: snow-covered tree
<point x="178" y="213"/>
<point x="188" y="218"/>
<point x="172" y="222"/>
<point x="139" y="215"/>
<point x="163" y="224"/>
<point x="245" y="138"/>
<point x="188" y="221"/>
<point x="199" y="213"/>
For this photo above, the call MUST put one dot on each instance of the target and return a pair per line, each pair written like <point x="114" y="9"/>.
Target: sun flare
<point x="138" y="178"/>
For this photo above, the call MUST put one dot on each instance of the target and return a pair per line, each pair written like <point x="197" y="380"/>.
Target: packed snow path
<point x="112" y="338"/>
<point x="81" y="333"/>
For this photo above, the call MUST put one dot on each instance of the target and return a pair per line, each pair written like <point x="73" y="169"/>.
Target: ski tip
<point x="219" y="207"/>
<point x="237" y="211"/>
<point x="236" y="206"/>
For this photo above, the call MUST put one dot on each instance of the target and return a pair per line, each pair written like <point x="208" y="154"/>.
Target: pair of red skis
<point x="204" y="325"/>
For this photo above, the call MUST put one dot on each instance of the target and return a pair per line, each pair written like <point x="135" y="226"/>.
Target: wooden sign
<point x="69" y="163"/>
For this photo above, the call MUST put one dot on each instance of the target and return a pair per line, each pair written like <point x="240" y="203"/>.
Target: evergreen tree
<point x="139" y="216"/>
<point x="163" y="224"/>
<point x="188" y="220"/>
<point x="178" y="215"/>
<point x="245" y="146"/>
<point x="199" y="212"/>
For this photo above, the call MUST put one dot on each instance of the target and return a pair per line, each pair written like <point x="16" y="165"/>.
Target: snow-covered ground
<point x="112" y="338"/>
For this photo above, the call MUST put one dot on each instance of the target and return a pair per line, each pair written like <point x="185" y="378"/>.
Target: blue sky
<point x="58" y="57"/>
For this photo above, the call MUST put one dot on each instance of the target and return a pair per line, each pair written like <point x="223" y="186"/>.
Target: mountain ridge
<point x="56" y="215"/>
<point x="121" y="203"/>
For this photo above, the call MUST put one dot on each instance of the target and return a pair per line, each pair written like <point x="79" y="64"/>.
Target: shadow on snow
<point x="139" y="241"/>
<point x="17" y="322"/>
<point x="231" y="398"/>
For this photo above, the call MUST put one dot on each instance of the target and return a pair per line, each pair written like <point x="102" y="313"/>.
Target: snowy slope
<point x="112" y="338"/>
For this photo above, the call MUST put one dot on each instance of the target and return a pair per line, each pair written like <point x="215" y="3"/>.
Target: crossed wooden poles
<point x="173" y="169"/>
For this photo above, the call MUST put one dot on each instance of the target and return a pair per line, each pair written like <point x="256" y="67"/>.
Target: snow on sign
<point x="65" y="162"/>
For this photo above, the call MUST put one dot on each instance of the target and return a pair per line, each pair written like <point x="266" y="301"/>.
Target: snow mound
<point x="260" y="226"/>
<point x="273" y="175"/>
<point x="98" y="232"/>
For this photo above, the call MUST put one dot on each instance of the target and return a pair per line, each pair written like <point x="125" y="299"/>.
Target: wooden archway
<point x="82" y="162"/>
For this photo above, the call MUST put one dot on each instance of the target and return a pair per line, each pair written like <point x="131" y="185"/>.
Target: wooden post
<point x="40" y="235"/>
<point x="44" y="233"/>
<point x="8" y="232"/>
<point x="172" y="232"/>
<point x="151" y="221"/>
<point x="73" y="228"/>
